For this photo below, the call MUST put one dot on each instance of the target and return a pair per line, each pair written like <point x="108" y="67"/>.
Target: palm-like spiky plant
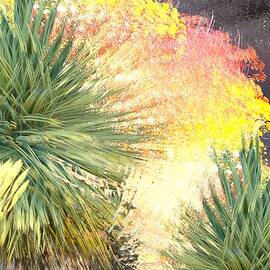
<point x="52" y="118"/>
<point x="233" y="231"/>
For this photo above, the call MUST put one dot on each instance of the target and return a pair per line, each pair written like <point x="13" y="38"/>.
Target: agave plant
<point x="53" y="117"/>
<point x="233" y="231"/>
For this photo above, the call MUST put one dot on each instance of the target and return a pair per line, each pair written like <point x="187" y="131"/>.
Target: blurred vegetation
<point x="232" y="230"/>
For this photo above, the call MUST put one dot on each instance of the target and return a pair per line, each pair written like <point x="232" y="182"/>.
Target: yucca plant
<point x="53" y="117"/>
<point x="233" y="230"/>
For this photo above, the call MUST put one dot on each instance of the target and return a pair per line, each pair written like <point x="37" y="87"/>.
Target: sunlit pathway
<point x="160" y="189"/>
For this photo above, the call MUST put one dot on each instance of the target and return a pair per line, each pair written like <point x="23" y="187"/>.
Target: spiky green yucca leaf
<point x="12" y="186"/>
<point x="52" y="117"/>
<point x="235" y="233"/>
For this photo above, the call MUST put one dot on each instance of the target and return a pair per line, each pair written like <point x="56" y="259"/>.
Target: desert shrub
<point x="211" y="78"/>
<point x="196" y="68"/>
<point x="164" y="67"/>
<point x="232" y="229"/>
<point x="55" y="119"/>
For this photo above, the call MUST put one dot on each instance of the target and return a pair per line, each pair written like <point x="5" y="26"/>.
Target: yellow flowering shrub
<point x="220" y="116"/>
<point x="151" y="15"/>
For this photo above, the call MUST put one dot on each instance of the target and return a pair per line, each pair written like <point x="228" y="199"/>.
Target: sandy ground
<point x="161" y="186"/>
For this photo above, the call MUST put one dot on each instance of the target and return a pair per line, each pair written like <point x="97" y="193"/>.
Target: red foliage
<point x="216" y="45"/>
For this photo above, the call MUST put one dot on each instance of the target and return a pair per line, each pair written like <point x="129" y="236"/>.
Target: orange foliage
<point x="196" y="82"/>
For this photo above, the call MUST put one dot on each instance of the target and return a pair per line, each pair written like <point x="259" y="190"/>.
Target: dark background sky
<point x="248" y="18"/>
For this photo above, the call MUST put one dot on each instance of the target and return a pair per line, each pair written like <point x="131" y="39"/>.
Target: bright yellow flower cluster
<point x="161" y="18"/>
<point x="219" y="117"/>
